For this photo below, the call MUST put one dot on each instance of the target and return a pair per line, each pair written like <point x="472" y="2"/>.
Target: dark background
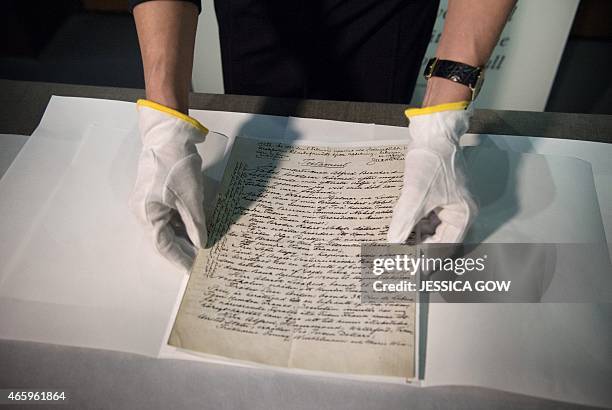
<point x="94" y="42"/>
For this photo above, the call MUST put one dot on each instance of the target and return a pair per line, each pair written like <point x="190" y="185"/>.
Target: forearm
<point x="166" y="34"/>
<point x="471" y="30"/>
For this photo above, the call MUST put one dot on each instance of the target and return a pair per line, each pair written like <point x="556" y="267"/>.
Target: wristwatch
<point x="470" y="76"/>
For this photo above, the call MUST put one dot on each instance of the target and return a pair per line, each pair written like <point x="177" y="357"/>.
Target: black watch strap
<point x="461" y="73"/>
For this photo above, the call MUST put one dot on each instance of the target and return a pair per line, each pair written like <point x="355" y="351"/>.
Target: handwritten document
<point x="279" y="283"/>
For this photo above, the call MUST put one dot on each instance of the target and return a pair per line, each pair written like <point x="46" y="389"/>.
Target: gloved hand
<point x="434" y="175"/>
<point x="169" y="180"/>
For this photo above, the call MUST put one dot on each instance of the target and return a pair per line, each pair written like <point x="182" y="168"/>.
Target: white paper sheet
<point x="10" y="145"/>
<point x="83" y="256"/>
<point x="76" y="269"/>
<point x="598" y="154"/>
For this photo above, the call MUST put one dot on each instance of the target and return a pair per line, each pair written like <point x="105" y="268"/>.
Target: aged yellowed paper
<point x="279" y="283"/>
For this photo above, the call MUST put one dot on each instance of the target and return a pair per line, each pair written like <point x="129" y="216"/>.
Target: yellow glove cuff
<point x="454" y="106"/>
<point x="174" y="113"/>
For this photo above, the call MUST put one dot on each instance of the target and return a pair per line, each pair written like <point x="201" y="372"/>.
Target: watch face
<point x="478" y="85"/>
<point x="429" y="68"/>
<point x="456" y="72"/>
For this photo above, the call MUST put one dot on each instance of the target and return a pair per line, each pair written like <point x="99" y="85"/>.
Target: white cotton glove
<point x="434" y="175"/>
<point x="169" y="180"/>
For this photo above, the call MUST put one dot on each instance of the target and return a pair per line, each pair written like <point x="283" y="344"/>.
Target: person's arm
<point x="471" y="30"/>
<point x="169" y="177"/>
<point x="166" y="34"/>
<point x="434" y="169"/>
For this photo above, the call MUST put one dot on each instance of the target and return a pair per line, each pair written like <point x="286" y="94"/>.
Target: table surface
<point x="104" y="379"/>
